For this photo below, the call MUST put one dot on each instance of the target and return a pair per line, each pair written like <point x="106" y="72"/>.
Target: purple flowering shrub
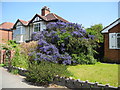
<point x="61" y="40"/>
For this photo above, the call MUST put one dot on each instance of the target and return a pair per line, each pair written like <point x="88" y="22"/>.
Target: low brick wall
<point x="21" y="71"/>
<point x="72" y="83"/>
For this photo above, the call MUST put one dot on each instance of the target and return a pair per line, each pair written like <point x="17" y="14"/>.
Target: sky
<point x="85" y="13"/>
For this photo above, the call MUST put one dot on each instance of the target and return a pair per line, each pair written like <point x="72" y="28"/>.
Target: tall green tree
<point x="96" y="31"/>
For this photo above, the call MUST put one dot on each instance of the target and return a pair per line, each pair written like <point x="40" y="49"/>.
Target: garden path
<point x="9" y="80"/>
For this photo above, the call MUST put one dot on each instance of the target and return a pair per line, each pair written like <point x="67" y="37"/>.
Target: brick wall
<point x="111" y="55"/>
<point x="5" y="36"/>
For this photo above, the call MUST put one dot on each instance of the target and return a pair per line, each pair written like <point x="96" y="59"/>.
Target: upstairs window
<point x="114" y="40"/>
<point x="36" y="27"/>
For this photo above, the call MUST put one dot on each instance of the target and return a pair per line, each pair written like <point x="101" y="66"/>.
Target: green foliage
<point x="84" y="59"/>
<point x="1" y="65"/>
<point x="22" y="50"/>
<point x="62" y="36"/>
<point x="96" y="30"/>
<point x="14" y="71"/>
<point x="19" y="59"/>
<point x="44" y="72"/>
<point x="10" y="45"/>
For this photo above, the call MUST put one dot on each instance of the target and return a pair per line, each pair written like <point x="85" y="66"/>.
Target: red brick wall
<point x="111" y="55"/>
<point x="5" y="36"/>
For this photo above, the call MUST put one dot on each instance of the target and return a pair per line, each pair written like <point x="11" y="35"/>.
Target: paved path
<point x="9" y="80"/>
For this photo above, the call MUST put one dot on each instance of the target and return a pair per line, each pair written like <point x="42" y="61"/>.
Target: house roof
<point x="52" y="16"/>
<point x="23" y="22"/>
<point x="107" y="28"/>
<point x="6" y="26"/>
<point x="49" y="17"/>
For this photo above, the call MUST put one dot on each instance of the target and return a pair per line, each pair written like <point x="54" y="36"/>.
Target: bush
<point x="84" y="59"/>
<point x="14" y="71"/>
<point x="28" y="47"/>
<point x="19" y="59"/>
<point x="60" y="40"/>
<point x="43" y="72"/>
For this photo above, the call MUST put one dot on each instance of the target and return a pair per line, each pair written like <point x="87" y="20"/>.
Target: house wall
<point x="5" y="36"/>
<point x="28" y="32"/>
<point x="111" y="55"/>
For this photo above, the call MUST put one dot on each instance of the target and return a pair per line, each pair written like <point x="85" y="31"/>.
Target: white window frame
<point x="113" y="43"/>
<point x="34" y="26"/>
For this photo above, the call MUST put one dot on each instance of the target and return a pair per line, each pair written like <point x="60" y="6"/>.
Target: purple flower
<point x="67" y="62"/>
<point x="42" y="42"/>
<point x="63" y="31"/>
<point x="91" y="36"/>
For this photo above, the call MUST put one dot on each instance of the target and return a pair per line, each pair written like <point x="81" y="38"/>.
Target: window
<point x="118" y="40"/>
<point x="19" y="30"/>
<point x="22" y="30"/>
<point x="36" y="27"/>
<point x="114" y="40"/>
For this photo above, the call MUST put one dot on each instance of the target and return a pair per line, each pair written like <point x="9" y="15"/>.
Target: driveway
<point x="9" y="80"/>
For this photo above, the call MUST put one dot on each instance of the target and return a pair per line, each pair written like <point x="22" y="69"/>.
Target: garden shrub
<point x="43" y="72"/>
<point x="14" y="71"/>
<point x="28" y="47"/>
<point x="22" y="50"/>
<point x="60" y="40"/>
<point x="19" y="59"/>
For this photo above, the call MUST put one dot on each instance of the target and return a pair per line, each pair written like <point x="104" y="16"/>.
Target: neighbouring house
<point x="5" y="35"/>
<point x="112" y="42"/>
<point x="5" y="32"/>
<point x="22" y="30"/>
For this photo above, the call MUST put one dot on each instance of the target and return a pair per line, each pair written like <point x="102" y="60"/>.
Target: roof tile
<point x="6" y="25"/>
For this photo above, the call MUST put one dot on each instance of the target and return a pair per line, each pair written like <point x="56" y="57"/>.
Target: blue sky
<point x="85" y="13"/>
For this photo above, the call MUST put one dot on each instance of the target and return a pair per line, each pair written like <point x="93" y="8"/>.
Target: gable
<point x="19" y="24"/>
<point x="36" y="19"/>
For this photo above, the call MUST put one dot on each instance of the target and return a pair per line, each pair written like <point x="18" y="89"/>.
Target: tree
<point x="96" y="31"/>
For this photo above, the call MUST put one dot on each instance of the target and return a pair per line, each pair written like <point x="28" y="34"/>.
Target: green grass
<point x="100" y="72"/>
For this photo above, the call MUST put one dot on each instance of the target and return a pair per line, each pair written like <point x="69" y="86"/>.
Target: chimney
<point x="44" y="11"/>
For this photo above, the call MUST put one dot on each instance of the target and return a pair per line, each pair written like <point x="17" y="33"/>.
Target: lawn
<point x="100" y="72"/>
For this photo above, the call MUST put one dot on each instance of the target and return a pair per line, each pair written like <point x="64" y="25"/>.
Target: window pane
<point x="18" y="30"/>
<point x="36" y="27"/>
<point x="23" y="30"/>
<point x="118" y="42"/>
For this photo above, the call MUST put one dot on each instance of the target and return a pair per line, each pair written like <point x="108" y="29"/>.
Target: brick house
<point x="5" y="32"/>
<point x="5" y="35"/>
<point x="112" y="42"/>
<point x="22" y="29"/>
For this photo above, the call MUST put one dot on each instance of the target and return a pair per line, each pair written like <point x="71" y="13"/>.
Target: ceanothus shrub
<point x="64" y="43"/>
